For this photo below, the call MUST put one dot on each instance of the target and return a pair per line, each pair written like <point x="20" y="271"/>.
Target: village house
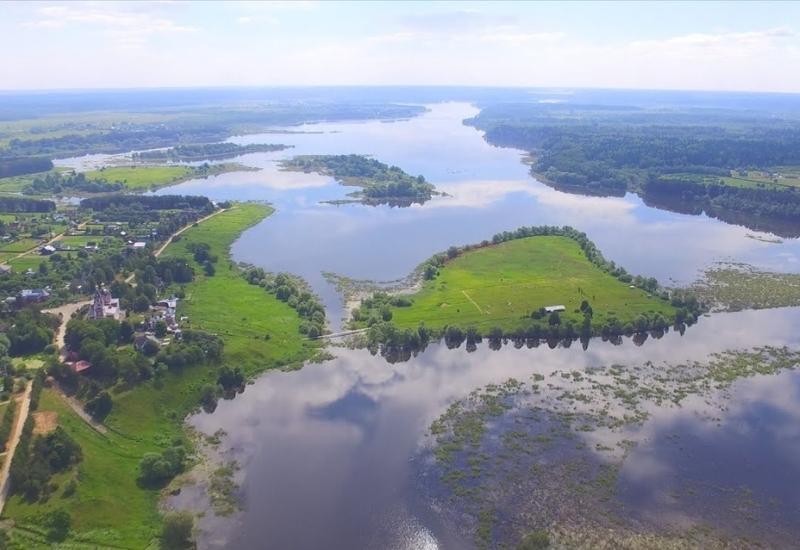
<point x="32" y="296"/>
<point x="79" y="367"/>
<point x="555" y="309"/>
<point x="47" y="249"/>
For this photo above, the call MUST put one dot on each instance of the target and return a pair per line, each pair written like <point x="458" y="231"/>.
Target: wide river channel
<point x="332" y="455"/>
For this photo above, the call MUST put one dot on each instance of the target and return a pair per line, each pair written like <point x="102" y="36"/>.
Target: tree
<point x="141" y="303"/>
<point x="160" y="329"/>
<point x="125" y="332"/>
<point x="177" y="531"/>
<point x="554" y="319"/>
<point x="58" y="525"/>
<point x="100" y="405"/>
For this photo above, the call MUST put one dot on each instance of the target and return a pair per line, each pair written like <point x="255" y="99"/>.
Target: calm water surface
<point x="328" y="453"/>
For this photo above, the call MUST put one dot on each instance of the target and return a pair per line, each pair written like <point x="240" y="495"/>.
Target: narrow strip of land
<point x="13" y="441"/>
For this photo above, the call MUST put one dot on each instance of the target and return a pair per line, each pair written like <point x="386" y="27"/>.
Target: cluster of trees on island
<point x="401" y="343"/>
<point x="296" y="294"/>
<point x="55" y="183"/>
<point x="600" y="151"/>
<point x="379" y="181"/>
<point x="205" y="151"/>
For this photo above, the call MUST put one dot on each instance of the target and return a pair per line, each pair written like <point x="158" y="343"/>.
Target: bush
<point x="535" y="540"/>
<point x="99" y="406"/>
<point x="177" y="531"/>
<point x="58" y="524"/>
<point x="157" y="469"/>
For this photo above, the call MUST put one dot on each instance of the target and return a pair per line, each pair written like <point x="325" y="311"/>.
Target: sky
<point x="675" y="45"/>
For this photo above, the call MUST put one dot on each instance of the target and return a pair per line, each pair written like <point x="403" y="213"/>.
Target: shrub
<point x="177" y="531"/>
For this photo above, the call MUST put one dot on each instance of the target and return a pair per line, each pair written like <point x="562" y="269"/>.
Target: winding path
<point x="13" y="441"/>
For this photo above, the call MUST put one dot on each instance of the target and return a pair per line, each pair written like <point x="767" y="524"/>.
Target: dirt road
<point x="13" y="440"/>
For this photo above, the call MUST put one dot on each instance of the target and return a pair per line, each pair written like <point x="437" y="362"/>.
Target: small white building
<point x="555" y="309"/>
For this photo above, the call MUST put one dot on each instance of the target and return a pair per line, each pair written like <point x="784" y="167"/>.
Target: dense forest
<point x="607" y="151"/>
<point x="20" y="166"/>
<point x="19" y="204"/>
<point x="379" y="181"/>
<point x="205" y="151"/>
<point x="149" y="202"/>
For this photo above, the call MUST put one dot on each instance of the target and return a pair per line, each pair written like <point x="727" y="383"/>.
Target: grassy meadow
<point x="142" y="178"/>
<point x="499" y="285"/>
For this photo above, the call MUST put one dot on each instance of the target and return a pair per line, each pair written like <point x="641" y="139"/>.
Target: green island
<point x="142" y="396"/>
<point x="379" y="182"/>
<point x="536" y="282"/>
<point x="205" y="151"/>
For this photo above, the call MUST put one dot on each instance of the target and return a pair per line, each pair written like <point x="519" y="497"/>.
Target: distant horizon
<point x="11" y="91"/>
<point x="691" y="46"/>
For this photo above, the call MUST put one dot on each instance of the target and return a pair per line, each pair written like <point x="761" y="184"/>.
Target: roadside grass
<point x="108" y="507"/>
<point x="498" y="285"/>
<point x="142" y="178"/>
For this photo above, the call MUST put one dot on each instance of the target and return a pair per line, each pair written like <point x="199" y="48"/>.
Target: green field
<point x="142" y="178"/>
<point x="21" y="245"/>
<point x="109" y="508"/>
<point x="227" y="305"/>
<point x="501" y="284"/>
<point x="779" y="178"/>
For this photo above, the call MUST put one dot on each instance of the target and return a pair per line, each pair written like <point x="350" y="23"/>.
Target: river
<point x="334" y="455"/>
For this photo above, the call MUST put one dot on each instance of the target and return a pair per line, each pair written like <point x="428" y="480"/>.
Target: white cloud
<point x="125" y="23"/>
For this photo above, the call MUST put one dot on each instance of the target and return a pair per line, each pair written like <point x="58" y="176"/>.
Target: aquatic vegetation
<point x="545" y="454"/>
<point x="734" y="287"/>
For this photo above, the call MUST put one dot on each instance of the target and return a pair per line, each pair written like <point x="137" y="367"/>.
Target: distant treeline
<point x="121" y="140"/>
<point x="25" y="165"/>
<point x="19" y="204"/>
<point x="206" y="151"/>
<point x="599" y="151"/>
<point x="149" y="202"/>
<point x="215" y="125"/>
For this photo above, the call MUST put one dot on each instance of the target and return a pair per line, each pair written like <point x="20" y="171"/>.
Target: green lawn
<point x="498" y="285"/>
<point x="142" y="178"/>
<point x="30" y="261"/>
<point x="22" y="245"/>
<point x="109" y="508"/>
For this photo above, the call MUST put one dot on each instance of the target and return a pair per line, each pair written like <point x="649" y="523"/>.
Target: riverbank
<point x="150" y="417"/>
